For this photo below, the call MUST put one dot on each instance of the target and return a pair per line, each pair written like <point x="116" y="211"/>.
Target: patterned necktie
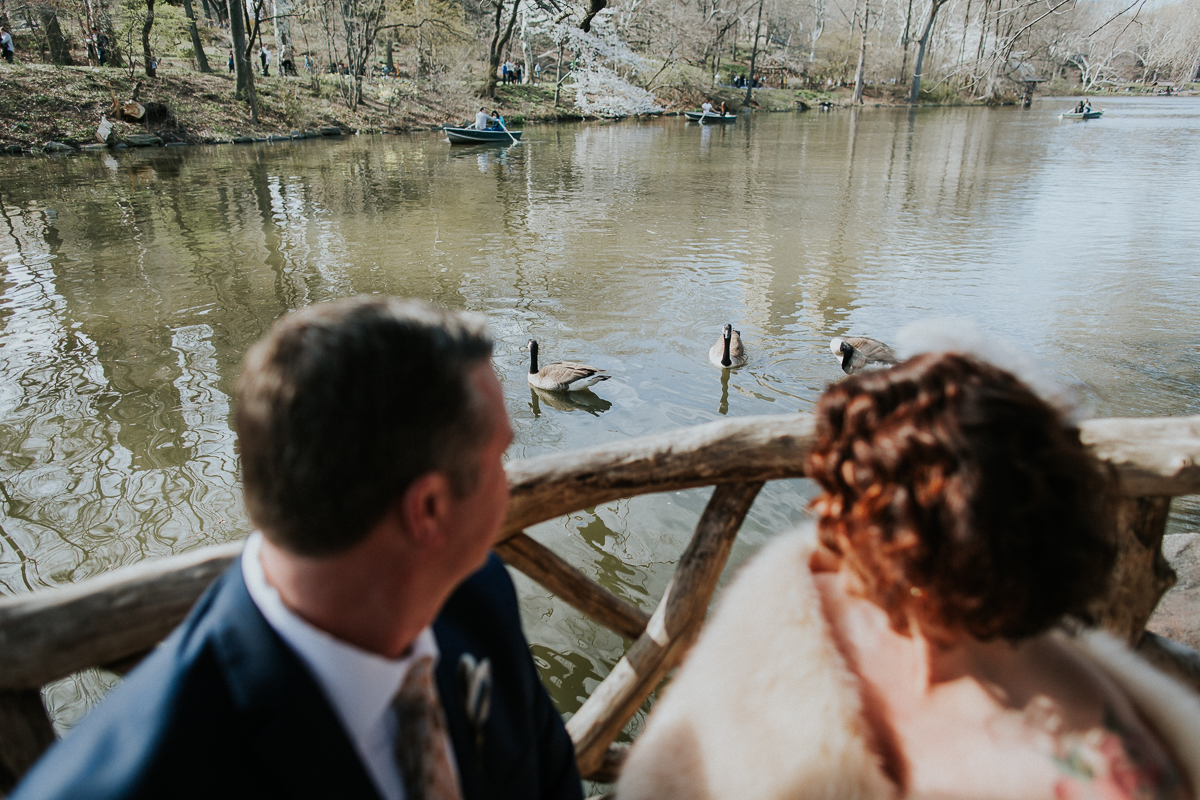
<point x="421" y="738"/>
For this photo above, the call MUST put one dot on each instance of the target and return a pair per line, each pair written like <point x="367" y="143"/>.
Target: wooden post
<point x="581" y="592"/>
<point x="1141" y="575"/>
<point x="673" y="627"/>
<point x="25" y="733"/>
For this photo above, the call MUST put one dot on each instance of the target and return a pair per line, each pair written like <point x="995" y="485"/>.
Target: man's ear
<point x="425" y="508"/>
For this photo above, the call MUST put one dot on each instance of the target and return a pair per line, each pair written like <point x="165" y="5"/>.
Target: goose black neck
<point x="533" y="367"/>
<point x="847" y="357"/>
<point x="725" y="360"/>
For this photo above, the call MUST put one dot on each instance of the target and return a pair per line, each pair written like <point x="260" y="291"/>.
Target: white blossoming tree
<point x="601" y="65"/>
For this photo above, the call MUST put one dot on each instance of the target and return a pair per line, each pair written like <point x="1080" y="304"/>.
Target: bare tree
<point x="862" y="55"/>
<point x="147" y="25"/>
<point x="818" y="28"/>
<point x="934" y="5"/>
<point x="502" y="32"/>
<point x="197" y="45"/>
<point x="244" y="72"/>
<point x="60" y="50"/>
<point x="754" y="54"/>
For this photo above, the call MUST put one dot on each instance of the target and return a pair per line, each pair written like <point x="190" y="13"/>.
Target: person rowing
<point x="483" y="120"/>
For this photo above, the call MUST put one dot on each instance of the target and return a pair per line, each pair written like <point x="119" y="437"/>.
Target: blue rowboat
<point x="473" y="136"/>
<point x="700" y="116"/>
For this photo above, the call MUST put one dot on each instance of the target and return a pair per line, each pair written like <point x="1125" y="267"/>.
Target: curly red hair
<point x="960" y="500"/>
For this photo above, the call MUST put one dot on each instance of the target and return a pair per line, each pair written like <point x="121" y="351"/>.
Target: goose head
<point x="532" y="347"/>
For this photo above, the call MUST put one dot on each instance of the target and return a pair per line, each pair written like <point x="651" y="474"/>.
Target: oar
<point x="515" y="139"/>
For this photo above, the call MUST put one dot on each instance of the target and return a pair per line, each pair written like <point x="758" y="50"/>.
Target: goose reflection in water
<point x="584" y="400"/>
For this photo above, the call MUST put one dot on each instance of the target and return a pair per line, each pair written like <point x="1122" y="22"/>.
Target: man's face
<point x="479" y="514"/>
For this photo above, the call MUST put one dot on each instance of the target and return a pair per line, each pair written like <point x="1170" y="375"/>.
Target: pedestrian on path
<point x="6" y="44"/>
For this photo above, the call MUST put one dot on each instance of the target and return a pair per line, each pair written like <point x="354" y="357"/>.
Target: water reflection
<point x="584" y="400"/>
<point x="132" y="283"/>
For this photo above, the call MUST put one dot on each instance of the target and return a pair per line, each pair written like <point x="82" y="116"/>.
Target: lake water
<point x="134" y="282"/>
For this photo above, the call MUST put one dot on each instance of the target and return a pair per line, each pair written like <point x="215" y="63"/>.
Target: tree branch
<point x="1119" y="13"/>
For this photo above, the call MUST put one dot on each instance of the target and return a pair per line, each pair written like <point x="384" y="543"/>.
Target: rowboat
<point x="473" y="136"/>
<point x="700" y="116"/>
<point x="1081" y="114"/>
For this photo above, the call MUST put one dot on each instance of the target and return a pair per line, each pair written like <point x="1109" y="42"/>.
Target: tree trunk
<point x="499" y="41"/>
<point x="558" y="75"/>
<point x="112" y="56"/>
<point x="283" y="35"/>
<point x="60" y="52"/>
<point x="754" y="54"/>
<point x="862" y="55"/>
<point x="818" y="28"/>
<point x="245" y="73"/>
<point x="904" y="43"/>
<point x="197" y="46"/>
<point x="962" y="46"/>
<point x="526" y="52"/>
<point x="921" y="43"/>
<point x="151" y="70"/>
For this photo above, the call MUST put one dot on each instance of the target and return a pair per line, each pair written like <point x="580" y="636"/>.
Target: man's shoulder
<point x="488" y="591"/>
<point x="219" y="697"/>
<point x="168" y="704"/>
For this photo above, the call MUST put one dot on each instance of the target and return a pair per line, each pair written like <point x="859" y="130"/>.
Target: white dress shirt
<point x="358" y="684"/>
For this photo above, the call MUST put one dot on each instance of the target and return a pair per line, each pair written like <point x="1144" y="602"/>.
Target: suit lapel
<point x="289" y="719"/>
<point x="451" y="648"/>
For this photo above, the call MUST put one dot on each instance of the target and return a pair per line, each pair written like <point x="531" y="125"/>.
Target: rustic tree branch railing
<point x="111" y="621"/>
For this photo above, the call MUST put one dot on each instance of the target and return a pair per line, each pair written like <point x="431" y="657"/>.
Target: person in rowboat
<point x="706" y="107"/>
<point x="499" y="120"/>
<point x="483" y="120"/>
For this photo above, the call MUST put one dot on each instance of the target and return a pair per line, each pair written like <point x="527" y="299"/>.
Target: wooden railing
<point x="113" y="620"/>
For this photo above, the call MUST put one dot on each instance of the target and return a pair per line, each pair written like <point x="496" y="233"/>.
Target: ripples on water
<point x="133" y="283"/>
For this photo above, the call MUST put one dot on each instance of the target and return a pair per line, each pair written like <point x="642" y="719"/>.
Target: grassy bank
<point x="41" y="103"/>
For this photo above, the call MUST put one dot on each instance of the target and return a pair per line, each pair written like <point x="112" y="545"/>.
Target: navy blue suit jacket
<point x="223" y="708"/>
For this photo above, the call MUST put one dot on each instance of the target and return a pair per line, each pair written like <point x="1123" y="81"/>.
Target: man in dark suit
<point x="371" y="434"/>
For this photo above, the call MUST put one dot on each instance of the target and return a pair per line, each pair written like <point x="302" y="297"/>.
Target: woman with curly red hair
<point x="914" y="644"/>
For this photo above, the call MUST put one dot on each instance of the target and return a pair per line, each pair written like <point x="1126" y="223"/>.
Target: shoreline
<point x="54" y="109"/>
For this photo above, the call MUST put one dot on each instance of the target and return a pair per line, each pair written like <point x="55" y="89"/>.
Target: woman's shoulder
<point x="764" y="707"/>
<point x="1171" y="710"/>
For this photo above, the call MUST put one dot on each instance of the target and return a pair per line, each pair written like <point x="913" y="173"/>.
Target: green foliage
<point x="170" y="29"/>
<point x="814" y="97"/>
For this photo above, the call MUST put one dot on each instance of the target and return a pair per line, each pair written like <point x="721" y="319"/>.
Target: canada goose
<point x="561" y="376"/>
<point x="728" y="352"/>
<point x="857" y="352"/>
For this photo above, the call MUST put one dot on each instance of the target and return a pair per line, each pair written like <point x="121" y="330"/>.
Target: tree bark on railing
<point x="1153" y="456"/>
<point x="49" y="635"/>
<point x="25" y="733"/>
<point x="672" y="629"/>
<point x="730" y="451"/>
<point x="1141" y="575"/>
<point x="573" y="587"/>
